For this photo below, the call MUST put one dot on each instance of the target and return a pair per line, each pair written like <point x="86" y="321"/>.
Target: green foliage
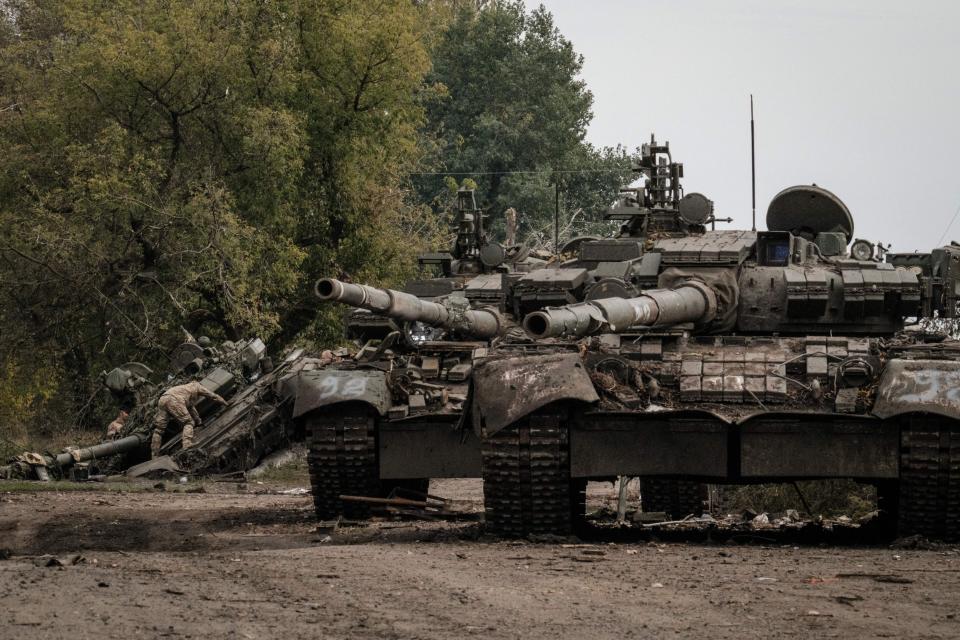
<point x="173" y="164"/>
<point x="22" y="391"/>
<point x="512" y="101"/>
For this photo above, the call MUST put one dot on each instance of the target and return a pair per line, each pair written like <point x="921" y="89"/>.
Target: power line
<point x="506" y="173"/>
<point x="947" y="230"/>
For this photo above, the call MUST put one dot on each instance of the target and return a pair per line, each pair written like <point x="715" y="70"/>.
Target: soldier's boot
<point x="155" y="441"/>
<point x="186" y="439"/>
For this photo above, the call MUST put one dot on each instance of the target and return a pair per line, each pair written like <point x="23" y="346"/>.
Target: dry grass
<point x="294" y="473"/>
<point x="827" y="498"/>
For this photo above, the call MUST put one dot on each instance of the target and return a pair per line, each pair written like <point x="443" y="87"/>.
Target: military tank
<point x="675" y="352"/>
<point x="395" y="414"/>
<point x="233" y="438"/>
<point x="689" y="355"/>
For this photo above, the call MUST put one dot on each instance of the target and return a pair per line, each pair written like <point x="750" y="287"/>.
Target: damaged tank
<point x="73" y="462"/>
<point x="685" y="355"/>
<point x="674" y="352"/>
<point x="232" y="438"/>
<point x="395" y="414"/>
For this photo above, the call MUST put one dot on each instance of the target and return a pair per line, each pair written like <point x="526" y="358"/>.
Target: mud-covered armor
<point x="396" y="413"/>
<point x="681" y="354"/>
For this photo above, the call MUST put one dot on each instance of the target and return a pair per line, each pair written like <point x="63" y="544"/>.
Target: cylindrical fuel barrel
<point x="691" y="301"/>
<point x="481" y="323"/>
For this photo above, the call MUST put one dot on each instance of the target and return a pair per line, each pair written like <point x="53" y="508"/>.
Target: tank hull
<point x="897" y="428"/>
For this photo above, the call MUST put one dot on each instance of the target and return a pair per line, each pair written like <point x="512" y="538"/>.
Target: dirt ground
<point x="247" y="562"/>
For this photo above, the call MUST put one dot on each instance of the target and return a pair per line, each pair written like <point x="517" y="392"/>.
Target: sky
<point x="861" y="97"/>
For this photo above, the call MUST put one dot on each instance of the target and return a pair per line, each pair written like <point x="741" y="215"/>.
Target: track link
<point x="342" y="459"/>
<point x="930" y="478"/>
<point x="527" y="487"/>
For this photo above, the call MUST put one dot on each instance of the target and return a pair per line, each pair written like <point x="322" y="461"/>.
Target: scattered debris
<point x="422" y="506"/>
<point x="159" y="468"/>
<point x="55" y="561"/>
<point x="297" y="491"/>
<point x="649" y="517"/>
<point x="253" y="424"/>
<point x="878" y="577"/>
<point x="914" y="542"/>
<point x="272" y="461"/>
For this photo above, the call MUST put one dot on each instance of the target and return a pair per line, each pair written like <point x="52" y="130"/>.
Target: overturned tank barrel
<point x="691" y="301"/>
<point x="102" y="450"/>
<point x="480" y="323"/>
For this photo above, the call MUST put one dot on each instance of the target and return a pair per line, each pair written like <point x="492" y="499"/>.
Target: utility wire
<point x="947" y="230"/>
<point x="507" y="173"/>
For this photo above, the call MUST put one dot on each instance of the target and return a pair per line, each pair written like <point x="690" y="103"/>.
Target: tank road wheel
<point x="342" y="460"/>
<point x="527" y="487"/>
<point x="929" y="502"/>
<point x="677" y="498"/>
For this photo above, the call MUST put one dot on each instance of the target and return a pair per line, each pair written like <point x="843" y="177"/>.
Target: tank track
<point x="677" y="498"/>
<point x="527" y="487"/>
<point x="342" y="459"/>
<point x="929" y="501"/>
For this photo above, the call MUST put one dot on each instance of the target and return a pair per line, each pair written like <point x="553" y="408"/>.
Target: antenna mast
<point x="753" y="170"/>
<point x="556" y="218"/>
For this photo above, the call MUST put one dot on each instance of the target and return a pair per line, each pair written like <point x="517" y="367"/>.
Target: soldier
<point x="179" y="403"/>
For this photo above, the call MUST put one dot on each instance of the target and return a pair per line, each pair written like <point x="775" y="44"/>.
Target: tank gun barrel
<point x="30" y="465"/>
<point x="691" y="301"/>
<point x="480" y="323"/>
<point x="102" y="450"/>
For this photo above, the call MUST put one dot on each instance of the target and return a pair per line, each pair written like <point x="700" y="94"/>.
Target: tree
<point x="170" y="163"/>
<point x="514" y="118"/>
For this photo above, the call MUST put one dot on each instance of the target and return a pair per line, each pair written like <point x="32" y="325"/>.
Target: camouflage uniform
<point x="178" y="403"/>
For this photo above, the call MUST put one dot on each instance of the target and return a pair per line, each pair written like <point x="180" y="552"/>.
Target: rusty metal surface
<point x="912" y="386"/>
<point x="512" y="387"/>
<point x="325" y="387"/>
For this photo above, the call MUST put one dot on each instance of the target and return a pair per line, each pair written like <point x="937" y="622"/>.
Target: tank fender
<point x="911" y="386"/>
<point x="323" y="387"/>
<point x="507" y="389"/>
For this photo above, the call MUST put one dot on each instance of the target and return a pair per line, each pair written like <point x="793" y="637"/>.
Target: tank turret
<point x="453" y="314"/>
